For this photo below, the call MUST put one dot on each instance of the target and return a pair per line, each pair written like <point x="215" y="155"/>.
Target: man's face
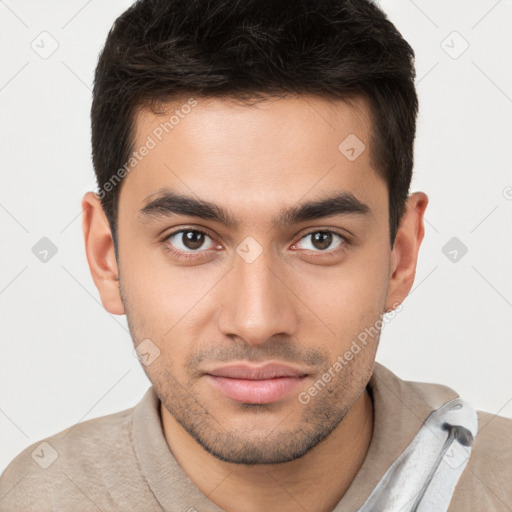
<point x="248" y="315"/>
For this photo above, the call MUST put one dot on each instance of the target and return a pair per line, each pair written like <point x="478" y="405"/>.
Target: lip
<point x="252" y="384"/>
<point x="253" y="372"/>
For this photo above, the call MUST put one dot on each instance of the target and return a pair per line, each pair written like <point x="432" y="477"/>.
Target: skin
<point x="297" y="303"/>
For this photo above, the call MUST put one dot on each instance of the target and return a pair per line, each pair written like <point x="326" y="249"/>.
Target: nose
<point x="257" y="301"/>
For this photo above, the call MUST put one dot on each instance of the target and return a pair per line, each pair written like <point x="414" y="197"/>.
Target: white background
<point x="64" y="359"/>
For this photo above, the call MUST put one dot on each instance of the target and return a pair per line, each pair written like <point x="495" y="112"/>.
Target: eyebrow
<point x="166" y="203"/>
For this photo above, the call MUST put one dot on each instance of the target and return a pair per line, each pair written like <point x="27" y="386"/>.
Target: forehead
<point x="281" y="123"/>
<point x="252" y="156"/>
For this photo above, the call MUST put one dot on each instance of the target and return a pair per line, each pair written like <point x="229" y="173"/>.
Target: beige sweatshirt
<point x="121" y="462"/>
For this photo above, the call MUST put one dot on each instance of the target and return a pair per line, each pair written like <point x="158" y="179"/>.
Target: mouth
<point x="252" y="384"/>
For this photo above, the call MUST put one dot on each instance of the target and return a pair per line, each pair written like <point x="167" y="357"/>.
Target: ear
<point x="99" y="247"/>
<point x="404" y="255"/>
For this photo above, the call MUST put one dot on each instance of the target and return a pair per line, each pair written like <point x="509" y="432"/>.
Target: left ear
<point x="404" y="254"/>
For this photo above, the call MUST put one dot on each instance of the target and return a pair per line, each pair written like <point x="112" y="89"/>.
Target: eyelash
<point x="180" y="254"/>
<point x="194" y="254"/>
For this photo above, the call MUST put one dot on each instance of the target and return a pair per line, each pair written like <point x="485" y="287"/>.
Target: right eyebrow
<point x="168" y="203"/>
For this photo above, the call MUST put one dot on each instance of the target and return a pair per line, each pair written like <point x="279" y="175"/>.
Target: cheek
<point x="350" y="299"/>
<point x="160" y="291"/>
<point x="359" y="283"/>
<point x="167" y="304"/>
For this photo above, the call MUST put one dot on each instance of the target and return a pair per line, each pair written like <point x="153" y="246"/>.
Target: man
<point x="254" y="223"/>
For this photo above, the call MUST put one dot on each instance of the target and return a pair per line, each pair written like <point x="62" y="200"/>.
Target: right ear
<point x="99" y="247"/>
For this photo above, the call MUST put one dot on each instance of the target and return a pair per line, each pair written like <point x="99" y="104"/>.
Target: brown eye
<point x="321" y="241"/>
<point x="190" y="240"/>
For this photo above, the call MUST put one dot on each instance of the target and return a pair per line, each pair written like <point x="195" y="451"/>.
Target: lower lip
<point x="256" y="391"/>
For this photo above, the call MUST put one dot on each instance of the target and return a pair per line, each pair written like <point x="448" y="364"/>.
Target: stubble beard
<point x="281" y="444"/>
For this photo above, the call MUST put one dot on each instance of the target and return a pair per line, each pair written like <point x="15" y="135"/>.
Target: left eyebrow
<point x="167" y="203"/>
<point x="344" y="203"/>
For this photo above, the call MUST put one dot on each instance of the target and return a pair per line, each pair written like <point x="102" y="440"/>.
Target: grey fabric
<point x="424" y="477"/>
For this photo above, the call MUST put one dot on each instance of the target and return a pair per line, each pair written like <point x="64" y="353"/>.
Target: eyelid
<point x="336" y="231"/>
<point x="197" y="230"/>
<point x="345" y="239"/>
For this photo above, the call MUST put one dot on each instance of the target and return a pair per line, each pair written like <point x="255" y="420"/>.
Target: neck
<point x="316" y="482"/>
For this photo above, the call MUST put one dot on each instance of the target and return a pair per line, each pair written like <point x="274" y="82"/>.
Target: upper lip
<point x="252" y="372"/>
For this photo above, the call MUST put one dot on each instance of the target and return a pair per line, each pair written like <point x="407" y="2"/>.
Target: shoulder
<point x="485" y="483"/>
<point x="73" y="468"/>
<point x="420" y="398"/>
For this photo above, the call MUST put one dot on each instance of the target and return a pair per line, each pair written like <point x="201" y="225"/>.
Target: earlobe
<point x="404" y="255"/>
<point x="99" y="247"/>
